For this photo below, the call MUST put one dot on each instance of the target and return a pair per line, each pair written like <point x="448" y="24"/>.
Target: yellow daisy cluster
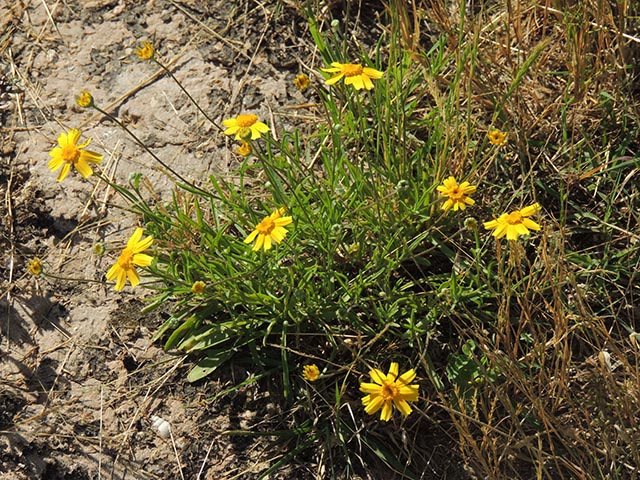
<point x="354" y="74"/>
<point x="385" y="391"/>
<point x="69" y="152"/>
<point x="270" y="230"/>
<point x="388" y="391"/>
<point x="34" y="266"/>
<point x="311" y="373"/>
<point x="511" y="225"/>
<point x="130" y="257"/>
<point x="245" y="126"/>
<point x="457" y="195"/>
<point x="145" y="50"/>
<point x="497" y="138"/>
<point x="514" y="224"/>
<point x="84" y="99"/>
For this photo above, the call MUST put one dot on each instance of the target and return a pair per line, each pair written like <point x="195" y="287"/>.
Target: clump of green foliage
<point x="525" y="349"/>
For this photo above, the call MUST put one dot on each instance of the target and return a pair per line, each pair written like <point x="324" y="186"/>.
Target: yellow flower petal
<point x="267" y="242"/>
<point x="512" y="233"/>
<point x="55" y="163"/>
<point x="278" y="234"/>
<point x="91" y="157"/>
<point x="372" y="73"/>
<point x="530" y="210"/>
<point x="259" y="242"/>
<point x="62" y="140"/>
<point x="63" y="173"/>
<point x="369" y="387"/>
<point x="74" y="136"/>
<point x="501" y="231"/>
<point x="142" y="260"/>
<point x="261" y="127"/>
<point x="251" y="236"/>
<point x="133" y="277"/>
<point x="409" y="392"/>
<point x="491" y="224"/>
<point x="407" y="377"/>
<point x="377" y="376"/>
<point x="83" y="168"/>
<point x="355" y="81"/>
<point x="374" y="404"/>
<point x="135" y="238"/>
<point x="113" y="271"/>
<point x="122" y="278"/>
<point x="142" y="245"/>
<point x="333" y="80"/>
<point x="402" y="406"/>
<point x="385" y="415"/>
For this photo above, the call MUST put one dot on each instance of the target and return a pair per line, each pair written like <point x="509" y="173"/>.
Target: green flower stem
<point x="70" y="279"/>
<point x="150" y="152"/>
<point x="168" y="72"/>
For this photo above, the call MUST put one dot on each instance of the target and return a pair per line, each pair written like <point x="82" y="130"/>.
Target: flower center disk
<point x="125" y="259"/>
<point x="70" y="153"/>
<point x="514" y="218"/>
<point x="351" y="70"/>
<point x="266" y="226"/>
<point x="456" y="193"/>
<point x="246" y="119"/>
<point x="389" y="391"/>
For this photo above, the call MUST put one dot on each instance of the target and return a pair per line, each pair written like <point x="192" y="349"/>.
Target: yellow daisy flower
<point x="269" y="230"/>
<point x="244" y="126"/>
<point x="388" y="389"/>
<point x="145" y="50"/>
<point x="125" y="267"/>
<point x="354" y="74"/>
<point x="84" y="99"/>
<point x="310" y="372"/>
<point x="515" y="223"/>
<point x="302" y="81"/>
<point x="34" y="267"/>
<point x="70" y="153"/>
<point x="497" y="138"/>
<point x="457" y="194"/>
<point x="198" y="287"/>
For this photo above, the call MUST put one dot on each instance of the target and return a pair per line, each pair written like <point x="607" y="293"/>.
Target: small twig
<point x="206" y="457"/>
<point x="100" y="434"/>
<point x="12" y="248"/>
<point x="53" y="22"/>
<point x="175" y="451"/>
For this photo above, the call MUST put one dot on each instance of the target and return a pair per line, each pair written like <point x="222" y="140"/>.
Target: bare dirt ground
<point x="81" y="378"/>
